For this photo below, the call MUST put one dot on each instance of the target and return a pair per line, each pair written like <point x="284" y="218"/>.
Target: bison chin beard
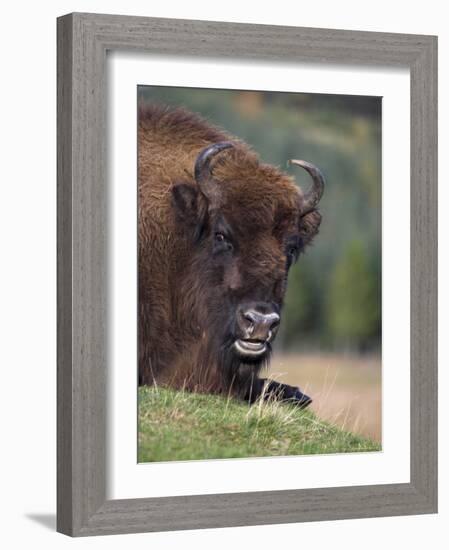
<point x="241" y="369"/>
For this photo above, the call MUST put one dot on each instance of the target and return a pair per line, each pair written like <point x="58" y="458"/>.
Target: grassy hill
<point x="177" y="425"/>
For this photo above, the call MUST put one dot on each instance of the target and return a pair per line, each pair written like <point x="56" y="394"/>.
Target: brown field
<point x="346" y="389"/>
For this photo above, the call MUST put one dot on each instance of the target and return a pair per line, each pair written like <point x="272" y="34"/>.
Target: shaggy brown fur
<point x="189" y="286"/>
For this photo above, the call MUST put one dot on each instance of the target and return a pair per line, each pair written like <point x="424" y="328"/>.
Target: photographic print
<point x="230" y="207"/>
<point x="259" y="273"/>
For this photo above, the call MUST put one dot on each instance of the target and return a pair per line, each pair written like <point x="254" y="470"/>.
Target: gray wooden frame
<point x="83" y="40"/>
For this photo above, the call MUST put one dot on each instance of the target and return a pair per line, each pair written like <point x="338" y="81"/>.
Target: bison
<point x="218" y="232"/>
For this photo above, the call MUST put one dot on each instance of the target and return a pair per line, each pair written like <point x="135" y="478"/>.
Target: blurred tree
<point x="354" y="298"/>
<point x="301" y="307"/>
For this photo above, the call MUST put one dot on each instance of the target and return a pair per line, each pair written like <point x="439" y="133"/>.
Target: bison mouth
<point x="256" y="325"/>
<point x="251" y="349"/>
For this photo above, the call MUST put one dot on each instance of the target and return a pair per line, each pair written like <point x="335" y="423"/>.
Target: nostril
<point x="251" y="316"/>
<point x="275" y="321"/>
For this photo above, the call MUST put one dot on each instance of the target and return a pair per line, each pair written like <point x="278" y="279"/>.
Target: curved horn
<point x="313" y="196"/>
<point x="203" y="174"/>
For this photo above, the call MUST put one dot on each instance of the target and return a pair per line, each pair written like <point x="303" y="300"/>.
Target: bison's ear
<point x="190" y="206"/>
<point x="309" y="225"/>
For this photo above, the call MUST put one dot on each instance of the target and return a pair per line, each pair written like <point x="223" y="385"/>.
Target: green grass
<point x="177" y="425"/>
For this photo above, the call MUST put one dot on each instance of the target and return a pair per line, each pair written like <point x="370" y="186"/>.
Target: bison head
<point x="243" y="225"/>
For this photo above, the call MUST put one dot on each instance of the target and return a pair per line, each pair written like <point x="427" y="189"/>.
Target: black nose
<point x="256" y="325"/>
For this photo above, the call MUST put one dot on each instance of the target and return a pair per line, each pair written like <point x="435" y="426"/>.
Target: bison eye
<point x="292" y="252"/>
<point x="293" y="249"/>
<point x="221" y="243"/>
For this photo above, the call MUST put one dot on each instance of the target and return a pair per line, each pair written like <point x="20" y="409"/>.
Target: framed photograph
<point x="247" y="281"/>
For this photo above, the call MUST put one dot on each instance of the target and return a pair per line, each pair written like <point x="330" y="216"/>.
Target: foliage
<point x="187" y="426"/>
<point x="354" y="305"/>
